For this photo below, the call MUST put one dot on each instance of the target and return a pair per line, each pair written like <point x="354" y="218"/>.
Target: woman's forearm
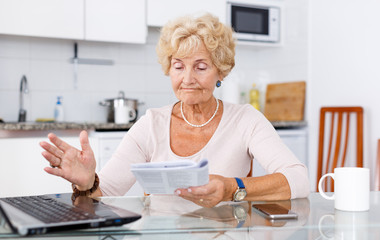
<point x="265" y="188"/>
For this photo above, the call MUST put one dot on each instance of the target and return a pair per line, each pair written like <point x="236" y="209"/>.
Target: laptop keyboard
<point x="49" y="210"/>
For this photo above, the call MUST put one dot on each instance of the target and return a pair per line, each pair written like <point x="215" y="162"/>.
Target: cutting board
<point x="285" y="101"/>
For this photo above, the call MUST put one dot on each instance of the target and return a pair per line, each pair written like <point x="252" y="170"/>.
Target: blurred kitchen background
<point x="45" y="62"/>
<point x="331" y="45"/>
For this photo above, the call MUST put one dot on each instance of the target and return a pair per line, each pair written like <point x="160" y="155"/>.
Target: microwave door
<point x="250" y="20"/>
<point x="255" y="23"/>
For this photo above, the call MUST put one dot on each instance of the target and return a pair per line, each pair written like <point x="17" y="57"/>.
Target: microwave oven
<point x="258" y="23"/>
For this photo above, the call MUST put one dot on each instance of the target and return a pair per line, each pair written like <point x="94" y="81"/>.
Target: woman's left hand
<point x="208" y="195"/>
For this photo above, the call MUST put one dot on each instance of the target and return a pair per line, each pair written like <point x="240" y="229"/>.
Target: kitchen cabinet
<point x="115" y="21"/>
<point x="106" y="143"/>
<point x="42" y="18"/>
<point x="296" y="140"/>
<point x="159" y="12"/>
<point x="21" y="167"/>
<point x="95" y="20"/>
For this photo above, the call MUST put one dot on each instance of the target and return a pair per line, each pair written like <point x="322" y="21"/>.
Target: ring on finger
<point x="60" y="161"/>
<point x="201" y="200"/>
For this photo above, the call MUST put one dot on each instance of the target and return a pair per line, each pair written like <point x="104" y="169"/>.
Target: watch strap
<point x="240" y="224"/>
<point x="240" y="183"/>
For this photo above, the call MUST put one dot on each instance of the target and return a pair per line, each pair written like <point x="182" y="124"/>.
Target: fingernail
<point x="189" y="189"/>
<point x="177" y="192"/>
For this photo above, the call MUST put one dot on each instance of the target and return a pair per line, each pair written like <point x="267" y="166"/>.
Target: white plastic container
<point x="59" y="115"/>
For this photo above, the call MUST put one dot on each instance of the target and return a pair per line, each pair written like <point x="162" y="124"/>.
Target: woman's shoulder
<point x="153" y="118"/>
<point x="157" y="116"/>
<point x="160" y="112"/>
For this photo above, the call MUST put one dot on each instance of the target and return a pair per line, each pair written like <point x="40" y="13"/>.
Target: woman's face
<point x="194" y="77"/>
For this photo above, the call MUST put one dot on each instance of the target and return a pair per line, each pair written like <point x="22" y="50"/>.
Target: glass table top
<point x="171" y="217"/>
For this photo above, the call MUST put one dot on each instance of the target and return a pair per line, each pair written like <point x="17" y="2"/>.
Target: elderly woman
<point x="197" y="54"/>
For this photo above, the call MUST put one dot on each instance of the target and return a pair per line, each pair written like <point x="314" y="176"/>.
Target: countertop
<point x="32" y="126"/>
<point x="289" y="124"/>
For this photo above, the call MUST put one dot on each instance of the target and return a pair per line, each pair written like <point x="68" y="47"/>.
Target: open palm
<point x="74" y="165"/>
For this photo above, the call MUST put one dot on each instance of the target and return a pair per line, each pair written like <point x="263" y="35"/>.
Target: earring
<point x="218" y="83"/>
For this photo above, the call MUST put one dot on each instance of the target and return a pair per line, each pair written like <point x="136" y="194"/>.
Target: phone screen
<point x="274" y="211"/>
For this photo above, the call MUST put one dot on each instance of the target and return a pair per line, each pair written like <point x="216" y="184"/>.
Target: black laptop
<point x="29" y="215"/>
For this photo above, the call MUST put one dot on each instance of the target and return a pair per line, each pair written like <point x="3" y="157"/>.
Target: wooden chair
<point x="377" y="173"/>
<point x="339" y="126"/>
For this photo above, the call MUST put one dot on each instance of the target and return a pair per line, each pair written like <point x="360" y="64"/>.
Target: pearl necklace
<point x="204" y="124"/>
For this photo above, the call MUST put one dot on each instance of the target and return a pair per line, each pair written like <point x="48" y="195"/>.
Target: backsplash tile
<point x="157" y="81"/>
<point x="50" y="49"/>
<point x="131" y="78"/>
<point x="11" y="71"/>
<point x="14" y="47"/>
<point x="9" y="105"/>
<point x="48" y="75"/>
<point x="134" y="54"/>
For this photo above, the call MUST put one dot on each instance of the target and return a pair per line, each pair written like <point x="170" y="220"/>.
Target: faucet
<point x="23" y="90"/>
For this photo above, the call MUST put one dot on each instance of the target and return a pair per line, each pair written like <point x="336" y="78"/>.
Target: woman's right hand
<point x="74" y="165"/>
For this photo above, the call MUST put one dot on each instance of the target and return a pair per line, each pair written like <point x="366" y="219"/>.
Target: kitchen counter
<point x="30" y="126"/>
<point x="289" y="124"/>
<point x="36" y="129"/>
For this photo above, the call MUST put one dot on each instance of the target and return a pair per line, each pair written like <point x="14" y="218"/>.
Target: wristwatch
<point x="240" y="193"/>
<point x="240" y="214"/>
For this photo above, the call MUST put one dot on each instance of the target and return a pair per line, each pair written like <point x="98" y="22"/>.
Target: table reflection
<point x="345" y="225"/>
<point x="235" y="220"/>
<point x="164" y="214"/>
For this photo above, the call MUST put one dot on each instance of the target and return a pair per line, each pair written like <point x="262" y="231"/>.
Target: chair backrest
<point x="377" y="173"/>
<point x="339" y="126"/>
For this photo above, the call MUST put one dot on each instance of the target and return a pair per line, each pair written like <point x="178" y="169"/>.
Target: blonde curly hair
<point x="184" y="35"/>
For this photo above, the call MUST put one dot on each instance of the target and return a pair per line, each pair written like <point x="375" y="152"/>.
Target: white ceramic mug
<point x="351" y="188"/>
<point x="124" y="114"/>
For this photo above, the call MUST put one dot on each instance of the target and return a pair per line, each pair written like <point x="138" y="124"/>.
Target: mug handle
<point x="132" y="114"/>
<point x="320" y="189"/>
<point x="320" y="226"/>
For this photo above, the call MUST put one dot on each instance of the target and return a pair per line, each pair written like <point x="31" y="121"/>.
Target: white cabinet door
<point x="21" y="167"/>
<point x="160" y="12"/>
<point x="115" y="21"/>
<point x="107" y="144"/>
<point x="43" y="18"/>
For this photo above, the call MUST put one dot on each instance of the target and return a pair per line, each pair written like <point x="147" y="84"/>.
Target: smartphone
<point x="274" y="211"/>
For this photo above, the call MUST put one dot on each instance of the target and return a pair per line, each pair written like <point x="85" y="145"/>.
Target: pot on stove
<point x="121" y="110"/>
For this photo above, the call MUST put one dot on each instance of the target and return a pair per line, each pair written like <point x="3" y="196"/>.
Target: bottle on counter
<point x="254" y="97"/>
<point x="58" y="110"/>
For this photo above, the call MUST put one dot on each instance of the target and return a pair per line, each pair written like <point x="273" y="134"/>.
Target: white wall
<point x="344" y="67"/>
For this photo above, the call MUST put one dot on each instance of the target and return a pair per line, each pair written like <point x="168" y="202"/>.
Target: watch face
<point x="240" y="195"/>
<point x="240" y="213"/>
